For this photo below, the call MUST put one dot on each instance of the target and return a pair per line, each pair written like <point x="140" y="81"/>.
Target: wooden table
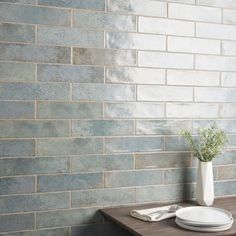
<point x="120" y="216"/>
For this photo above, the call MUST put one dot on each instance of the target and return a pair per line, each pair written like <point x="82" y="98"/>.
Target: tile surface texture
<point x="93" y="97"/>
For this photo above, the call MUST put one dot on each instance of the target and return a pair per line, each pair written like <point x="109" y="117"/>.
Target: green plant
<point x="210" y="143"/>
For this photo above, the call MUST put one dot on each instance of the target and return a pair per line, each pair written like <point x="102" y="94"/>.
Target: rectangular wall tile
<point x="34" y="53"/>
<point x="31" y="166"/>
<point x="36" y="202"/>
<point x="162" y="160"/>
<point x="225" y="188"/>
<point x="227" y="125"/>
<point x="16" y="72"/>
<point x="104" y="197"/>
<point x="133" y="178"/>
<point x="100" y="20"/>
<point x="227" y="110"/>
<point x="102" y="128"/>
<point x="33" y="2"/>
<point x="17" y="33"/>
<point x="226" y="158"/>
<point x="165" y="26"/>
<point x="132" y="75"/>
<point x="81" y="4"/>
<point x="15" y="148"/>
<point x="136" y="41"/>
<point x="191" y="110"/>
<point x="70" y="37"/>
<point x="34" y="91"/>
<point x="46" y="232"/>
<point x="229" y="16"/>
<point x="227" y="172"/>
<point x="69" y="110"/>
<point x="70" y="146"/>
<point x="34" y="15"/>
<point x="196" y="13"/>
<point x="174" y="176"/>
<point x="216" y="31"/>
<point x="161" y="193"/>
<point x="162" y="127"/>
<point x="53" y="183"/>
<point x="164" y="93"/>
<point x="193" y="45"/>
<point x="232" y="142"/>
<point x="100" y="163"/>
<point x="175" y="143"/>
<point x="165" y="60"/>
<point x="183" y="1"/>
<point x="134" y="110"/>
<point x="68" y="217"/>
<point x="100" y="92"/>
<point x="228" y="79"/>
<point x="146" y="7"/>
<point x="86" y="56"/>
<point x="17" y="222"/>
<point x="218" y="3"/>
<point x="192" y="77"/>
<point x="17" y="110"/>
<point x="17" y="185"/>
<point x="215" y="95"/>
<point x="218" y="63"/>
<point x="229" y="48"/>
<point x="134" y="144"/>
<point x="28" y="129"/>
<point x="76" y="74"/>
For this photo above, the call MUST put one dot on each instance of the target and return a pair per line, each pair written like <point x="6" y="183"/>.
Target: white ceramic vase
<point x="205" y="184"/>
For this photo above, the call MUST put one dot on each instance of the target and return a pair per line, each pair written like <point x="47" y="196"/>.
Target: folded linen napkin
<point x="151" y="215"/>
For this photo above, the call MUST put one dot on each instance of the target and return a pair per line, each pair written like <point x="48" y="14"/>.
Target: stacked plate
<point x="204" y="219"/>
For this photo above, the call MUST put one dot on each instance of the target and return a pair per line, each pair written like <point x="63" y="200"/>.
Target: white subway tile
<point x="165" y="60"/>
<point x="229" y="48"/>
<point x="196" y="13"/>
<point x="228" y="79"/>
<point x="166" y="26"/>
<point x="216" y="31"/>
<point x="136" y="41"/>
<point x="191" y="110"/>
<point x="144" y="7"/>
<point x="218" y="63"/>
<point x="164" y="93"/>
<point x="227" y="110"/>
<point x="183" y="1"/>
<point x="192" y="77"/>
<point x="193" y="45"/>
<point x="229" y="16"/>
<point x="218" y="3"/>
<point x="215" y="95"/>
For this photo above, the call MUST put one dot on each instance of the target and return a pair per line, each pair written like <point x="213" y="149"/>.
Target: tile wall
<point x="93" y="95"/>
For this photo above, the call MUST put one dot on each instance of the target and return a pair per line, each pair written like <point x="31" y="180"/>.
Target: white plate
<point x="193" y="223"/>
<point x="204" y="215"/>
<point x="203" y="229"/>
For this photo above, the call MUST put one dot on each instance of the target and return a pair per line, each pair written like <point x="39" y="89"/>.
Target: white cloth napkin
<point x="144" y="214"/>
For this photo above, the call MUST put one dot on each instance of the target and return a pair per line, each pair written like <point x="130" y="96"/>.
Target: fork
<point x="172" y="208"/>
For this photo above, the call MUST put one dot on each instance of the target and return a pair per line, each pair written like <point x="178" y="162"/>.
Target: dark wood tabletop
<point x="121" y="216"/>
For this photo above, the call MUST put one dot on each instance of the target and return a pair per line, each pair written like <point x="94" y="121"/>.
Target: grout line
<point x="36" y="34"/>
<point x="72" y="18"/>
<point x="35" y="221"/>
